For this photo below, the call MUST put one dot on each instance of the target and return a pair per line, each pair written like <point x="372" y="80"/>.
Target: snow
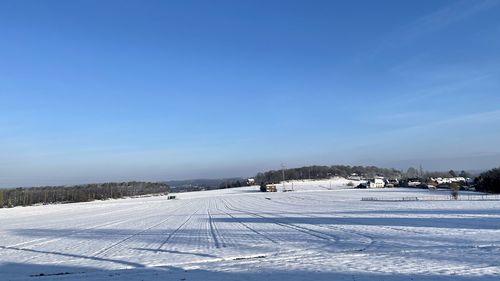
<point x="321" y="231"/>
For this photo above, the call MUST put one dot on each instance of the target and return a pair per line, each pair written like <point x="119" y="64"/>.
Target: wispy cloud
<point x="423" y="66"/>
<point x="446" y="16"/>
<point x="434" y="22"/>
<point x="460" y="121"/>
<point x="444" y="89"/>
<point x="430" y="89"/>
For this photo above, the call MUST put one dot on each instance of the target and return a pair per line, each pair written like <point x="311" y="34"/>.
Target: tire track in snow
<point x="30" y="247"/>
<point x="106" y="250"/>
<point x="66" y="234"/>
<point x="88" y="214"/>
<point x="62" y="236"/>
<point x="175" y="231"/>
<point x="381" y="226"/>
<point x="369" y="238"/>
<point x="244" y="224"/>
<point x="216" y="237"/>
<point x="318" y="234"/>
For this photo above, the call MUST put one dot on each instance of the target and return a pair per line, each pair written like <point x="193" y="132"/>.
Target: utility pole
<point x="283" y="174"/>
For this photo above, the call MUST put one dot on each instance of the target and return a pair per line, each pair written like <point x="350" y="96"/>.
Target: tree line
<point x="419" y="173"/>
<point x="489" y="181"/>
<point x="78" y="193"/>
<point x="322" y="172"/>
<point x="233" y="183"/>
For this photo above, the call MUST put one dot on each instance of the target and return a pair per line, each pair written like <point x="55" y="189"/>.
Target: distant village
<point x="383" y="182"/>
<point x="465" y="183"/>
<point x="370" y="177"/>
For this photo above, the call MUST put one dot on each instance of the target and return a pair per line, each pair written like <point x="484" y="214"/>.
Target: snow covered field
<point x="318" y="232"/>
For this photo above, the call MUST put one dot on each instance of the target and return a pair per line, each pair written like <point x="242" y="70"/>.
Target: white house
<point x="376" y="183"/>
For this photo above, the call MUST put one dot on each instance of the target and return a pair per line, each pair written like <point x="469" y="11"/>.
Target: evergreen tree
<point x="464" y="174"/>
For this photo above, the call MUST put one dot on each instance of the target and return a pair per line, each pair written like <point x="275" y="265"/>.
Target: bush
<point x="350" y="183"/>
<point x="454" y="187"/>
<point x="263" y="187"/>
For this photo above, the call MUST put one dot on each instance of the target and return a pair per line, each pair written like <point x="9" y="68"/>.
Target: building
<point x="449" y="180"/>
<point x="376" y="183"/>
<point x="354" y="177"/>
<point x="413" y="182"/>
<point x="391" y="182"/>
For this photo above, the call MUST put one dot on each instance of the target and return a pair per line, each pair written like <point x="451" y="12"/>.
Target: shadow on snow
<point x="19" y="271"/>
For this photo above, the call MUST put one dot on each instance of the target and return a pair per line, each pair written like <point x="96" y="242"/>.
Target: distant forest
<point x="322" y="172"/>
<point x="205" y="184"/>
<point x="489" y="181"/>
<point x="77" y="193"/>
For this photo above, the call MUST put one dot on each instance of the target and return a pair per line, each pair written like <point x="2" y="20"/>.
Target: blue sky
<point x="95" y="91"/>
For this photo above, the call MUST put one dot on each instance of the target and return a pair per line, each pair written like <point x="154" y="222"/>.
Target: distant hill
<point x="322" y="172"/>
<point x="202" y="183"/>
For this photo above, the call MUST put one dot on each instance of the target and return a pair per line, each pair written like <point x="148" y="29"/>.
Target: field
<point x="321" y="231"/>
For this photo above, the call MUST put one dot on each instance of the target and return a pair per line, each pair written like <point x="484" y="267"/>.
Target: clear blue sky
<point x="95" y="91"/>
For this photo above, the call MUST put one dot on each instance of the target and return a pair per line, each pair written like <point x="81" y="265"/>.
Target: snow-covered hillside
<point x="319" y="232"/>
